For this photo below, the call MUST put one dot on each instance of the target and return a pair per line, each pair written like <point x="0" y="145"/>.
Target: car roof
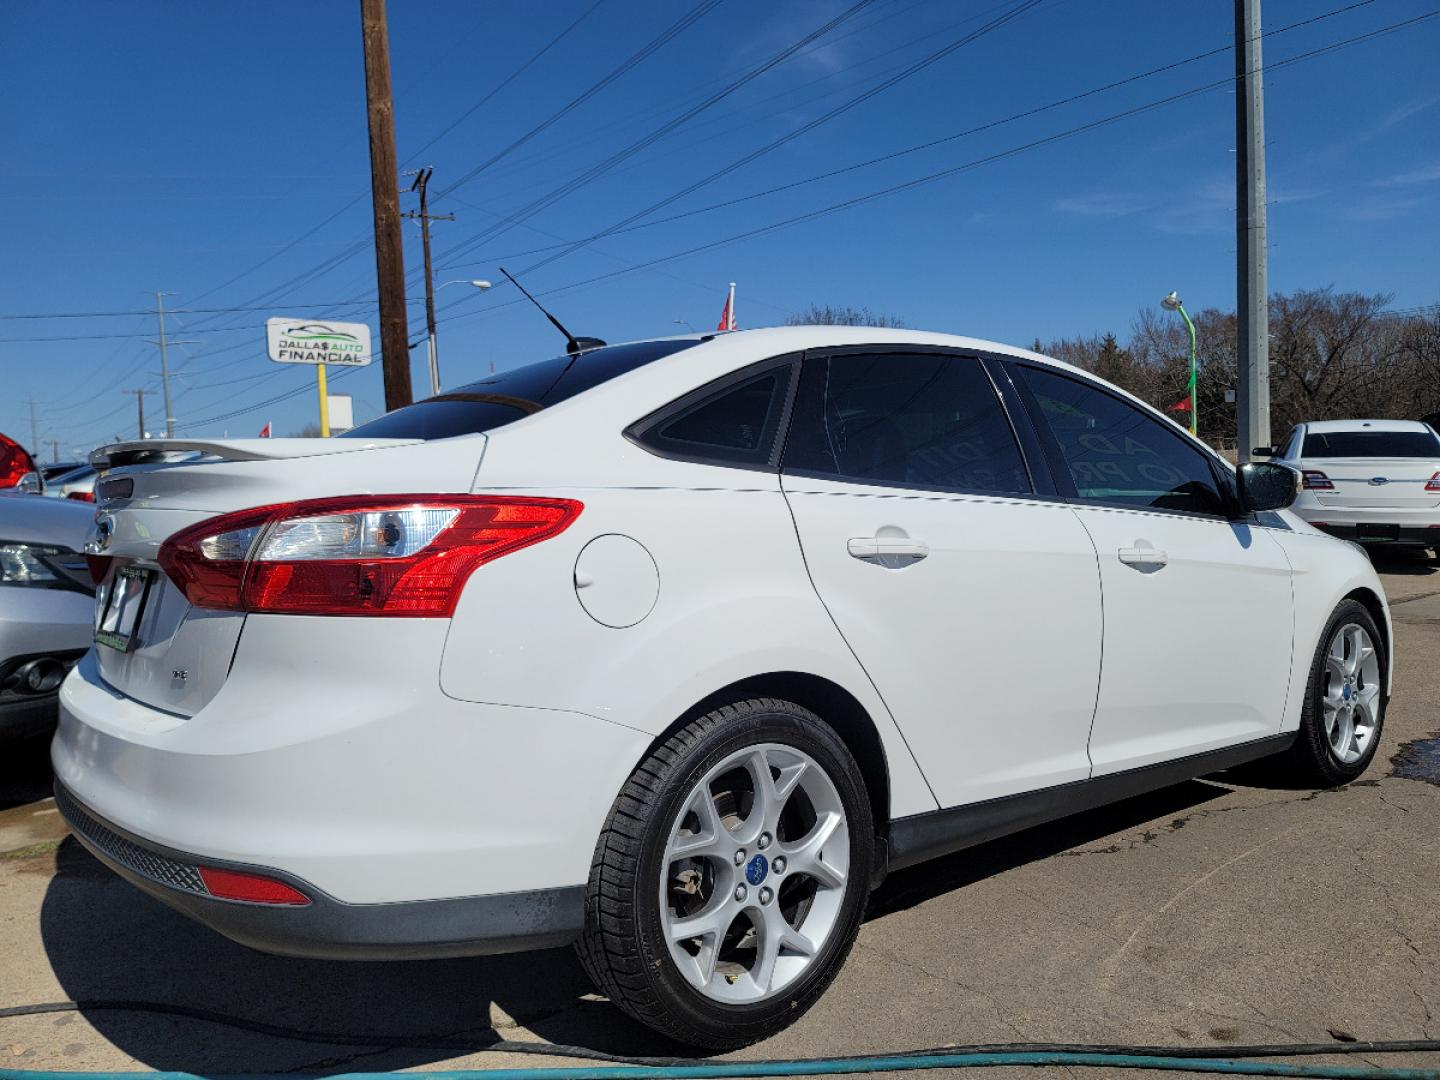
<point x="1324" y="427"/>
<point x="785" y="338"/>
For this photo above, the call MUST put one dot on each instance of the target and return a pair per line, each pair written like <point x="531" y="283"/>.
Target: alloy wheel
<point x="754" y="873"/>
<point x="1351" y="693"/>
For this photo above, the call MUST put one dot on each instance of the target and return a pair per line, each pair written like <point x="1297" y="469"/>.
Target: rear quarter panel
<point x="734" y="602"/>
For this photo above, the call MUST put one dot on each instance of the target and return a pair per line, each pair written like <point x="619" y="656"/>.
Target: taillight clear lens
<point x="391" y="555"/>
<point x="1315" y="480"/>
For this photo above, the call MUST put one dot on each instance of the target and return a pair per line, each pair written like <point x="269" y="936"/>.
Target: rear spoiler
<point x="147" y="451"/>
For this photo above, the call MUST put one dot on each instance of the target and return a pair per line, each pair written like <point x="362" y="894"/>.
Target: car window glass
<point x="737" y="424"/>
<point x="1338" y="444"/>
<point x="515" y="393"/>
<point x="923" y="420"/>
<point x="1115" y="453"/>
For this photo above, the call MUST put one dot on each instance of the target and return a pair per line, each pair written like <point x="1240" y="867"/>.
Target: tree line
<point x="1333" y="356"/>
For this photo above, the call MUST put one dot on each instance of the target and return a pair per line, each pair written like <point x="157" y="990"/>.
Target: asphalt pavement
<point x="1214" y="913"/>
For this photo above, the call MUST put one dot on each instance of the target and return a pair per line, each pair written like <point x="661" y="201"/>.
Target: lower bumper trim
<point x="328" y="928"/>
<point x="1400" y="535"/>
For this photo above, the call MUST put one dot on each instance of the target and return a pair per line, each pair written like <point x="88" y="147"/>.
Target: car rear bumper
<point x="1376" y="525"/>
<point x="331" y="757"/>
<point x="326" y="927"/>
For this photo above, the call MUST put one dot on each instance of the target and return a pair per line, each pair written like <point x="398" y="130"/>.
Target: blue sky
<point x="198" y="148"/>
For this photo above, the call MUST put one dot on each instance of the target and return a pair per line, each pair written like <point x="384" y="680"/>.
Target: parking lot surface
<point x="1216" y="912"/>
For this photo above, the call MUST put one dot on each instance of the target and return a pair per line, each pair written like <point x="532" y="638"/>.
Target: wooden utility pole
<point x="385" y="194"/>
<point x="420" y="186"/>
<point x="140" y="410"/>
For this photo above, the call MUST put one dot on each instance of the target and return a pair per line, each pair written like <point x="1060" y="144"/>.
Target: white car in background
<point x="1371" y="481"/>
<point x="673" y="649"/>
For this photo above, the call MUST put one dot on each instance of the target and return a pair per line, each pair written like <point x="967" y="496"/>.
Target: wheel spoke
<point x="808" y="856"/>
<point x="1366" y="702"/>
<point x="708" y="840"/>
<point x="710" y="923"/>
<point x="1344" y="734"/>
<point x="1352" y="649"/>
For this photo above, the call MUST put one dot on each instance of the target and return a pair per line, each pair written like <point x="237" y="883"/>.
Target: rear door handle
<point x="873" y="548"/>
<point x="1138" y="556"/>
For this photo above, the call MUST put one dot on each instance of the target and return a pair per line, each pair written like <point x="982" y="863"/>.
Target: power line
<point x="599" y="169"/>
<point x="911" y="70"/>
<point x="932" y="143"/>
<point x="858" y="200"/>
<point x="969" y="165"/>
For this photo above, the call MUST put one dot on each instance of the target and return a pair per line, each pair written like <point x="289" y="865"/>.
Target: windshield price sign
<point x="305" y="341"/>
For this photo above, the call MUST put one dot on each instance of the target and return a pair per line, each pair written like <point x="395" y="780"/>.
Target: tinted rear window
<point x="1386" y="444"/>
<point x="511" y="395"/>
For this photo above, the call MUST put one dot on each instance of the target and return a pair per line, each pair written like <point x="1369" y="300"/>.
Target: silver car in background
<point x="47" y="607"/>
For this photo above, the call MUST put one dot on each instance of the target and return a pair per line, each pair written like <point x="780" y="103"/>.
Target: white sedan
<point x="672" y="649"/>
<point x="1371" y="481"/>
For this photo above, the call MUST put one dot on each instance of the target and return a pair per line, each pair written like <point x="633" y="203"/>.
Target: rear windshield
<point x="511" y="395"/>
<point x="1386" y="444"/>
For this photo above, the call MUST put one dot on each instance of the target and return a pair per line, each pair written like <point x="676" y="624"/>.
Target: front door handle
<point x="878" y="548"/>
<point x="1142" y="556"/>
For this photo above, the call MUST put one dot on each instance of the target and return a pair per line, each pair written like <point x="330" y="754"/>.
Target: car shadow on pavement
<point x="907" y="888"/>
<point x="1403" y="560"/>
<point x="108" y="942"/>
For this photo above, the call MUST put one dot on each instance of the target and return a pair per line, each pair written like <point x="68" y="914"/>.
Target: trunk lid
<point x="179" y="655"/>
<point x="1378" y="483"/>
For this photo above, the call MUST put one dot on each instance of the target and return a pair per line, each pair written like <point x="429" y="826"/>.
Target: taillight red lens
<point x="399" y="555"/>
<point x="15" y="462"/>
<point x="82" y="496"/>
<point x="1433" y="484"/>
<point x="1315" y="480"/>
<point x="234" y="885"/>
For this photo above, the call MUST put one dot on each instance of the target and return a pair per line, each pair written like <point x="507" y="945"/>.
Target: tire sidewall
<point x="788" y="726"/>
<point x="1312" y="726"/>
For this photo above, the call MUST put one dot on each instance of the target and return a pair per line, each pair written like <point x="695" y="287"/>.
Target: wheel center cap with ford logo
<point x="756" y="869"/>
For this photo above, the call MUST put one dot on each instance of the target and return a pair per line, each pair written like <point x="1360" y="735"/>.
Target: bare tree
<point x="843" y="315"/>
<point x="1332" y="356"/>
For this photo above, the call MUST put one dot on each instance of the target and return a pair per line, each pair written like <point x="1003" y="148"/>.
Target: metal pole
<point x="385" y="195"/>
<point x="1194" y="406"/>
<point x="164" y="367"/>
<point x="1252" y="289"/>
<point x="324" y="391"/>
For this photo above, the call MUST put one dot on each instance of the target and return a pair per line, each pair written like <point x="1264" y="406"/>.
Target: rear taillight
<point x="81" y="496"/>
<point x="404" y="555"/>
<point x="1433" y="484"/>
<point x="15" y="463"/>
<point x="1315" y="480"/>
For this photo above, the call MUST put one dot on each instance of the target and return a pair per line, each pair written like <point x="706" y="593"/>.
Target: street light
<point x="1172" y="303"/>
<point x="433" y="348"/>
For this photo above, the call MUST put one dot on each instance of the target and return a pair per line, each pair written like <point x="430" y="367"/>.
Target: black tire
<point x="1311" y="760"/>
<point x="623" y="946"/>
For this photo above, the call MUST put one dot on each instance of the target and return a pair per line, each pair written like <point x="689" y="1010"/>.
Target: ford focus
<point x="674" y="649"/>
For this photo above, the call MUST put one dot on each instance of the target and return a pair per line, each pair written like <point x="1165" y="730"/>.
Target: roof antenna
<point x="573" y="345"/>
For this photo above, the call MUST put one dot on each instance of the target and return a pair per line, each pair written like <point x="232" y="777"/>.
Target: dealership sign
<point x="302" y="341"/>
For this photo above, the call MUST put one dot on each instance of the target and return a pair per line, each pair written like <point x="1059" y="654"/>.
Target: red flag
<point x="1183" y="405"/>
<point x="727" y="317"/>
<point x="265" y="431"/>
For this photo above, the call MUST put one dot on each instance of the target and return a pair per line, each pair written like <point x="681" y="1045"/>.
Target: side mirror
<point x="1265" y="451"/>
<point x="1264" y="485"/>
